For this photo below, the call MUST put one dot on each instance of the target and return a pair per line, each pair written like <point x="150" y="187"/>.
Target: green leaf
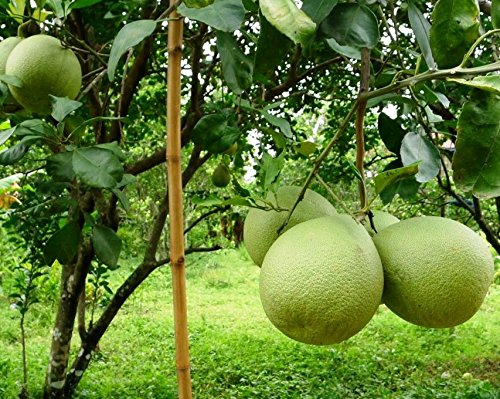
<point x="224" y="15"/>
<point x="272" y="48"/>
<point x="60" y="166"/>
<point x="289" y="20"/>
<point x="62" y="107"/>
<point x="97" y="167"/>
<point x="63" y="245"/>
<point x="16" y="10"/>
<point x="237" y="68"/>
<point x="348" y="51"/>
<point x="7" y="182"/>
<point x="281" y="123"/>
<point x="476" y="162"/>
<point x="318" y="10"/>
<point x="391" y="133"/>
<point x="495" y="14"/>
<point x="6" y="134"/>
<point x="421" y="27"/>
<point x="59" y="7"/>
<point x="107" y="245"/>
<point x="114" y="148"/>
<point x="306" y="148"/>
<point x="15" y="153"/>
<point x="11" y="80"/>
<point x="216" y="132"/>
<point x="351" y="25"/>
<point x="455" y="27"/>
<point x="387" y="178"/>
<point x="489" y="83"/>
<point x="83" y="3"/>
<point x="271" y="169"/>
<point x="122" y="198"/>
<point x="128" y="36"/>
<point x="197" y="3"/>
<point x="416" y="148"/>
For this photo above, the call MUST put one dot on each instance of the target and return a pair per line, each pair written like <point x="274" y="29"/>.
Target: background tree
<point x="307" y="93"/>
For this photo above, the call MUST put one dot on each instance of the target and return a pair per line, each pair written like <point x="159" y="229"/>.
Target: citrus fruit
<point x="221" y="176"/>
<point x="322" y="280"/>
<point x="437" y="271"/>
<point x="261" y="226"/>
<point x="381" y="220"/>
<point x="6" y="47"/>
<point x="44" y="67"/>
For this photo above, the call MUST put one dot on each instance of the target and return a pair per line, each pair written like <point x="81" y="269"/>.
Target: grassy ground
<point x="237" y="353"/>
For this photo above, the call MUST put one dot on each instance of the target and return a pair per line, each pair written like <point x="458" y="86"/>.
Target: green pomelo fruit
<point x="232" y="150"/>
<point x="381" y="220"/>
<point x="322" y="280"/>
<point x="261" y="227"/>
<point x="437" y="271"/>
<point x="44" y="67"/>
<point x="6" y="47"/>
<point x="221" y="176"/>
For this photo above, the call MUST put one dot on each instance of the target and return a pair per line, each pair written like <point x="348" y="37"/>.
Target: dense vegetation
<point x="399" y="106"/>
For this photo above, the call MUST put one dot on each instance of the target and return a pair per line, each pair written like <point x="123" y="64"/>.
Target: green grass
<point x="237" y="353"/>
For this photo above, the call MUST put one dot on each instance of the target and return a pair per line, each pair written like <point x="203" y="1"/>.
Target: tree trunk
<point x="72" y="282"/>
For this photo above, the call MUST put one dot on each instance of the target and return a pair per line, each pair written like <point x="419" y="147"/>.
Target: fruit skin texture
<point x="322" y="280"/>
<point x="6" y="47"/>
<point x="381" y="220"/>
<point x="261" y="227"/>
<point x="221" y="176"/>
<point x="437" y="271"/>
<point x="45" y="67"/>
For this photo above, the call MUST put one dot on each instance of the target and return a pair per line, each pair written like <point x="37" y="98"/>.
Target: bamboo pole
<point x="177" y="255"/>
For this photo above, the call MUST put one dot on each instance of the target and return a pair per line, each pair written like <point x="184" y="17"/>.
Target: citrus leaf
<point x="352" y="25"/>
<point x="215" y="133"/>
<point x="476" y="162"/>
<point x="348" y="51"/>
<point x="416" y="148"/>
<point x="281" y="123"/>
<point x="83" y="3"/>
<point x="122" y="198"/>
<point x="224" y="15"/>
<point x="289" y="20"/>
<point x="272" y="48"/>
<point x="60" y="166"/>
<point x="306" y="148"/>
<point x="455" y="27"/>
<point x="63" y="245"/>
<point x="391" y="133"/>
<point x="488" y="83"/>
<point x="271" y="168"/>
<point x="128" y="36"/>
<point x="11" y="80"/>
<point x="62" y="107"/>
<point x="421" y="27"/>
<point x="97" y="167"/>
<point x="197" y="3"/>
<point x="387" y="178"/>
<point x="107" y="245"/>
<point x="318" y="10"/>
<point x="237" y="68"/>
<point x="6" y="134"/>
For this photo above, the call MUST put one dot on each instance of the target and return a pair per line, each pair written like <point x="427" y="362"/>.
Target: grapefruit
<point x="322" y="280"/>
<point x="261" y="226"/>
<point x="44" y="67"/>
<point x="6" y="47"/>
<point x="437" y="271"/>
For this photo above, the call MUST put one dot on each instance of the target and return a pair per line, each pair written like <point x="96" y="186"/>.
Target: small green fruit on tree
<point x="221" y="176"/>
